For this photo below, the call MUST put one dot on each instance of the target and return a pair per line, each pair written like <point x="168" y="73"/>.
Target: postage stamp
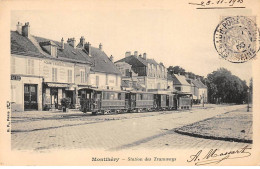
<point x="236" y="38"/>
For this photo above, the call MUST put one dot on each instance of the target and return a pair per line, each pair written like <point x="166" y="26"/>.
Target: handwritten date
<point x="218" y="2"/>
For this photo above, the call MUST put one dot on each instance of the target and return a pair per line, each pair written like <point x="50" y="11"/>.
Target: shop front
<point x="26" y="93"/>
<point x="54" y="92"/>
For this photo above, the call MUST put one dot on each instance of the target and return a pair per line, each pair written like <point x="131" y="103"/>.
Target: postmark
<point x="236" y="39"/>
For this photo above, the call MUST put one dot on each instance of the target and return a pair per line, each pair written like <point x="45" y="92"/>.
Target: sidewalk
<point x="231" y="126"/>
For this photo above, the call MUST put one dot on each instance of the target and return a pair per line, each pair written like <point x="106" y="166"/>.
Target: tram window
<point x="119" y="96"/>
<point x="139" y="96"/>
<point x="122" y="96"/>
<point x="143" y="96"/>
<point x="83" y="95"/>
<point x="163" y="97"/>
<point x="111" y="96"/>
<point x="115" y="96"/>
<point x="104" y="95"/>
<point x="88" y="95"/>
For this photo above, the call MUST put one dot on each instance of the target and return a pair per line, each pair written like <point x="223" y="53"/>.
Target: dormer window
<point x="49" y="47"/>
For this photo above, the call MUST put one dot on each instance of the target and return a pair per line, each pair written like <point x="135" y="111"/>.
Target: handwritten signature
<point x="215" y="157"/>
<point x="207" y="3"/>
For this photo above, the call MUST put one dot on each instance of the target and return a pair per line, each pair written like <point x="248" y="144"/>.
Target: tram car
<point x="139" y="101"/>
<point x="108" y="101"/>
<point x="165" y="101"/>
<point x="102" y="101"/>
<point x="184" y="102"/>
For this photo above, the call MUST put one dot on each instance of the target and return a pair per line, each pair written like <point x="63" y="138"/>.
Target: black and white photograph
<point x="126" y="83"/>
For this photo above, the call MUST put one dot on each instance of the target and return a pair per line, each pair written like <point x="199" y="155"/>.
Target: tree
<point x="225" y="87"/>
<point x="175" y="70"/>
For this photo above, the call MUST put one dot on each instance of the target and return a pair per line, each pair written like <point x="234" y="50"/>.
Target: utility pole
<point x="248" y="99"/>
<point x="203" y="99"/>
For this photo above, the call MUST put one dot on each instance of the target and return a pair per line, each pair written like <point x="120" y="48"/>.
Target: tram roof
<point x="142" y="92"/>
<point x="110" y="90"/>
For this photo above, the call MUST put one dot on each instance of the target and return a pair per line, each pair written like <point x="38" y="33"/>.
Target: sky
<point x="169" y="35"/>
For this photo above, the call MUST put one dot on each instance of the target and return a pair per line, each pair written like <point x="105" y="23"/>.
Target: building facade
<point x="147" y="72"/>
<point x="180" y="83"/>
<point x="201" y="91"/>
<point x="44" y="71"/>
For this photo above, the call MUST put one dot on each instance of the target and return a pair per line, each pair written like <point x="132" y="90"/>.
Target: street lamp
<point x="248" y="100"/>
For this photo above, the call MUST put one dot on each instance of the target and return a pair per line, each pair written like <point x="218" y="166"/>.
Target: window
<point x="82" y="76"/>
<point x="127" y="72"/>
<point x="30" y="66"/>
<point x="158" y="86"/>
<point x="13" y="65"/>
<point x="97" y="80"/>
<point x="13" y="93"/>
<point x="69" y="76"/>
<point x="54" y="74"/>
<point x="106" y="79"/>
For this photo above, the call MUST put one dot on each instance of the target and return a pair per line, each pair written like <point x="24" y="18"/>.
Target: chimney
<point x="26" y="30"/>
<point x="72" y="42"/>
<point x="82" y="41"/>
<point x="111" y="58"/>
<point x="87" y="47"/>
<point x="144" y="56"/>
<point x="140" y="56"/>
<point x="100" y="47"/>
<point x="136" y="53"/>
<point x="19" y="28"/>
<point x="128" y="53"/>
<point x="62" y="43"/>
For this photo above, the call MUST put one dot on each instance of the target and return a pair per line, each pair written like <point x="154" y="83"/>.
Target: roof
<point x="102" y="63"/>
<point x="198" y="83"/>
<point x="179" y="80"/>
<point x="21" y="45"/>
<point x="68" y="53"/>
<point x="138" y="61"/>
<point x="134" y="61"/>
<point x="36" y="47"/>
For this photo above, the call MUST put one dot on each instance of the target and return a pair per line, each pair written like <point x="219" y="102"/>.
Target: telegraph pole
<point x="248" y="99"/>
<point x="203" y="99"/>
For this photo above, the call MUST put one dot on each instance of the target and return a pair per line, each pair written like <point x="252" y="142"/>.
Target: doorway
<point x="30" y="97"/>
<point x="54" y="98"/>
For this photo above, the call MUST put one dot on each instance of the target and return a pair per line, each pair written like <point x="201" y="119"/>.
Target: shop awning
<point x="61" y="85"/>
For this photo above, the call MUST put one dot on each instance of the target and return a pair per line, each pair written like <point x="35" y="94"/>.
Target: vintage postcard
<point x="130" y="83"/>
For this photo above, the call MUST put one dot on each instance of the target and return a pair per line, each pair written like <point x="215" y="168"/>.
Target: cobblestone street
<point x="45" y="131"/>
